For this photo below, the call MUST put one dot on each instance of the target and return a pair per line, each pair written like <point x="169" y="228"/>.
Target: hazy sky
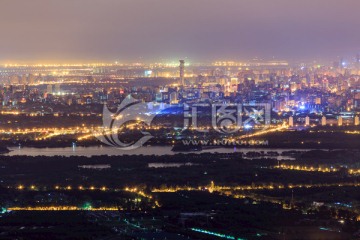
<point x="202" y="30"/>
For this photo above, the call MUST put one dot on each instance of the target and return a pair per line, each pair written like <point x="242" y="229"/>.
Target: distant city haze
<point x="49" y="31"/>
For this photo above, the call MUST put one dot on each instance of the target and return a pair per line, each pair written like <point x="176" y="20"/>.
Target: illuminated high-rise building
<point x="293" y="86"/>
<point x="340" y="121"/>
<point x="356" y="121"/>
<point x="174" y="98"/>
<point x="291" y="121"/>
<point x="182" y="72"/>
<point x="323" y="121"/>
<point x="307" y="121"/>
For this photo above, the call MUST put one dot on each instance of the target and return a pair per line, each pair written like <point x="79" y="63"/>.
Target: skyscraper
<point x="291" y="121"/>
<point x="340" y="121"/>
<point x="323" y="121"/>
<point x="182" y="72"/>
<point x="356" y="121"/>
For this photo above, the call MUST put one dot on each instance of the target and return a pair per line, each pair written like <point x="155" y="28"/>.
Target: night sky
<point x="200" y="30"/>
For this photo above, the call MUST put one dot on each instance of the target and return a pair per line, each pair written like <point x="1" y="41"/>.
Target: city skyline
<point x="180" y="120"/>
